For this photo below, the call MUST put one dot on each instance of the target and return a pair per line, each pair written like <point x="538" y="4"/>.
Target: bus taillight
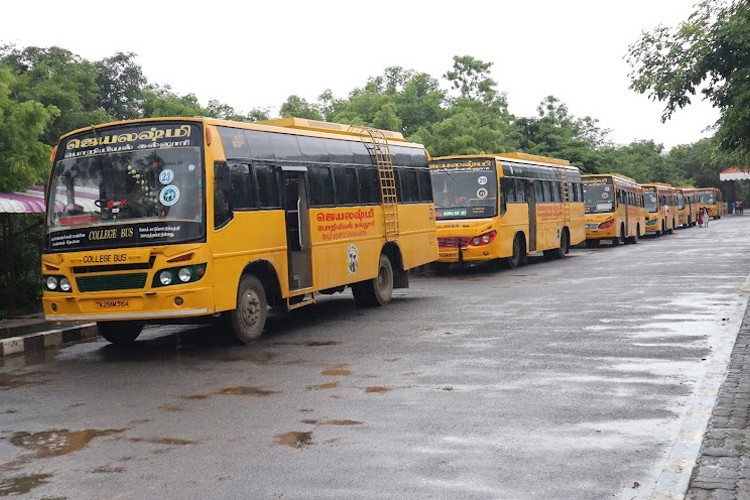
<point x="484" y="239"/>
<point x="607" y="224"/>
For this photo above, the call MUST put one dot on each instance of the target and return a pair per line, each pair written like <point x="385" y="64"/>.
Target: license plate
<point x="107" y="304"/>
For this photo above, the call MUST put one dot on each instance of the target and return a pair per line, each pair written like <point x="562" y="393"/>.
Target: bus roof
<point x="522" y="157"/>
<point x="319" y="126"/>
<point x="283" y="123"/>
<point x="613" y="174"/>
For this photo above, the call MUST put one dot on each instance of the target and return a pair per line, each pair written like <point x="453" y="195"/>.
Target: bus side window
<point x="425" y="185"/>
<point x="222" y="194"/>
<point x="509" y="191"/>
<point x="520" y="190"/>
<point x="268" y="186"/>
<point x="243" y="187"/>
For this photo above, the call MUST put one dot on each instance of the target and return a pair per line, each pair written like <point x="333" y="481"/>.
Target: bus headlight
<point x="51" y="283"/>
<point x="65" y="284"/>
<point x="165" y="278"/>
<point x="179" y="275"/>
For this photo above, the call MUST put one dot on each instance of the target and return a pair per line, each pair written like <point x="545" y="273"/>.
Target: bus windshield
<point x="649" y="198"/>
<point x="156" y="195"/>
<point x="598" y="196"/>
<point x="465" y="193"/>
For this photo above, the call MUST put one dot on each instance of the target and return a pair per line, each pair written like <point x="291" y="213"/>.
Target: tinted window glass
<point x="286" y="147"/>
<point x="509" y="190"/>
<point x="347" y="190"/>
<point x="361" y="154"/>
<point x="222" y="194"/>
<point x="235" y="142"/>
<point x="369" y="186"/>
<point x="321" y="186"/>
<point x="538" y="192"/>
<point x="408" y="189"/>
<point x="268" y="187"/>
<point x="243" y="187"/>
<point x="313" y="149"/>
<point x="425" y="185"/>
<point x="520" y="190"/>
<point x="260" y="144"/>
<point x="340" y="151"/>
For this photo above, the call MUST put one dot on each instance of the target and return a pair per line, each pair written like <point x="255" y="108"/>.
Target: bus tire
<point x="249" y="317"/>
<point x="514" y="260"/>
<point x="120" y="332"/>
<point x="376" y="291"/>
<point x="560" y="251"/>
<point x="634" y="239"/>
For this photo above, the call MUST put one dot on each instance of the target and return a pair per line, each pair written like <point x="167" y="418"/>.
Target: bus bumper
<point x="129" y="305"/>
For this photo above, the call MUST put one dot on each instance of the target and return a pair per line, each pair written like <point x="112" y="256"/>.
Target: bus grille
<point x="111" y="282"/>
<point x="453" y="243"/>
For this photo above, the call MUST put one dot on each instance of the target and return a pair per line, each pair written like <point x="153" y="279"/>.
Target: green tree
<point x="56" y="77"/>
<point x="297" y="107"/>
<point x="162" y="101"/>
<point x="23" y="157"/>
<point x="708" y="53"/>
<point x="121" y="83"/>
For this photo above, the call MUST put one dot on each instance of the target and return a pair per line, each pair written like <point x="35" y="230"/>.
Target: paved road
<point x="583" y="378"/>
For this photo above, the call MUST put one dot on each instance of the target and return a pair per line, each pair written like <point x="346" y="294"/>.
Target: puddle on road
<point x="108" y="470"/>
<point x="195" y="397"/>
<point x="171" y="407"/>
<point x="246" y="391"/>
<point x="57" y="442"/>
<point x="20" y="485"/>
<point x="165" y="441"/>
<point x="322" y="343"/>
<point x="336" y="371"/>
<point x="294" y="439"/>
<point x="321" y="387"/>
<point x="8" y="381"/>
<point x="377" y="389"/>
<point x="343" y="422"/>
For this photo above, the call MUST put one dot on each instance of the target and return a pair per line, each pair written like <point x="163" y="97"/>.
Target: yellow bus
<point x="172" y="218"/>
<point x="660" y="200"/>
<point x="711" y="200"/>
<point x="506" y="206"/>
<point x="614" y="209"/>
<point x="687" y="206"/>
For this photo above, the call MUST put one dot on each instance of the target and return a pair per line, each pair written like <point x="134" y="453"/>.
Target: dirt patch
<point x="20" y="485"/>
<point x="246" y="391"/>
<point x="57" y="442"/>
<point x="294" y="439"/>
<point x="376" y="389"/>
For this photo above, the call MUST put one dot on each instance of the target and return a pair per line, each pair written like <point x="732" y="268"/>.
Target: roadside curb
<point x="43" y="340"/>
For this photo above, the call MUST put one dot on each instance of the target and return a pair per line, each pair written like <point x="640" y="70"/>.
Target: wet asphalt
<point x="560" y="379"/>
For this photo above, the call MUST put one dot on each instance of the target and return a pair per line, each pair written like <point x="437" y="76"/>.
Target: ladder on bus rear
<point x="565" y="194"/>
<point x="382" y="158"/>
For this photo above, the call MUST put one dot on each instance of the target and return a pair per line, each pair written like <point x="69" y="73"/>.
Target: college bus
<point x="710" y="199"/>
<point x="505" y="206"/>
<point x="660" y="201"/>
<point x="687" y="206"/>
<point x="174" y="218"/>
<point x="614" y="209"/>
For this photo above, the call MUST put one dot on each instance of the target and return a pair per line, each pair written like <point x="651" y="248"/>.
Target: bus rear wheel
<point x="559" y="252"/>
<point x="120" y="332"/>
<point x="592" y="243"/>
<point x="634" y="239"/>
<point x="376" y="291"/>
<point x="249" y="317"/>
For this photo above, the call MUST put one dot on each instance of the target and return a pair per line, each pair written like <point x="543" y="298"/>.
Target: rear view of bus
<point x="504" y="207"/>
<point x="614" y="209"/>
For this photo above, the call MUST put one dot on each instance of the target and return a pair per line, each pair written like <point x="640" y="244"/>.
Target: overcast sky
<point x="255" y="54"/>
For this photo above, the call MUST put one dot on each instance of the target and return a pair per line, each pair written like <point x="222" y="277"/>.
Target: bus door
<point x="531" y="200"/>
<point x="299" y="256"/>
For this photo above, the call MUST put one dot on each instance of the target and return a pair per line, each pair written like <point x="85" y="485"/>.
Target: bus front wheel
<point x="249" y="318"/>
<point x="514" y="260"/>
<point x="376" y="291"/>
<point x="120" y="332"/>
